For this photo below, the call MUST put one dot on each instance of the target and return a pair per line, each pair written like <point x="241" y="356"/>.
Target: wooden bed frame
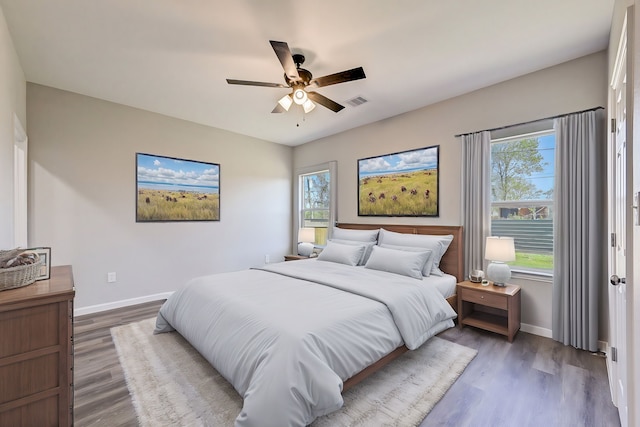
<point x="452" y="263"/>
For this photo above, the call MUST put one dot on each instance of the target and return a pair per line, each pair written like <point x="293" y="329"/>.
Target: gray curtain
<point x="476" y="197"/>
<point x="579" y="224"/>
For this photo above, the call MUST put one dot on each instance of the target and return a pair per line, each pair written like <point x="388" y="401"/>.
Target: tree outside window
<point x="522" y="179"/>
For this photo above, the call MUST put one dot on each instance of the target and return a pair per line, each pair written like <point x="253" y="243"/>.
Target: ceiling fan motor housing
<point x="305" y="77"/>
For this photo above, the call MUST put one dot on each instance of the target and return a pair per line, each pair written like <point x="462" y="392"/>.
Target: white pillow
<point x="428" y="266"/>
<point x="398" y="262"/>
<point x="343" y="254"/>
<point x="365" y="254"/>
<point x="438" y="244"/>
<point x="357" y="235"/>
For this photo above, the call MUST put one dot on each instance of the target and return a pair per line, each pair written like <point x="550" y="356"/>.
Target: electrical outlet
<point x="111" y="277"/>
<point x="266" y="259"/>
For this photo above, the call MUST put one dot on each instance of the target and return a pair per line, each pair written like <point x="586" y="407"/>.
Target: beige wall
<point x="82" y="197"/>
<point x="569" y="87"/>
<point x="12" y="101"/>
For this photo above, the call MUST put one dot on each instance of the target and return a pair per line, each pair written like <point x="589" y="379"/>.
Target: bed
<point x="291" y="337"/>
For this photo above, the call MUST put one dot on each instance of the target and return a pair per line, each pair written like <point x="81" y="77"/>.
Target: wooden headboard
<point x="453" y="260"/>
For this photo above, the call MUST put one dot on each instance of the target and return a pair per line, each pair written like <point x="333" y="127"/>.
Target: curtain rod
<point x="531" y="121"/>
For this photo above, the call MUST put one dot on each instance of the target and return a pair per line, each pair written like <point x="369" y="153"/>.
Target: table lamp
<point x="499" y="250"/>
<point x="306" y="237"/>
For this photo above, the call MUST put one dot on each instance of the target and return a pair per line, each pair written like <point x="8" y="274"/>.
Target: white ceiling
<point x="172" y="57"/>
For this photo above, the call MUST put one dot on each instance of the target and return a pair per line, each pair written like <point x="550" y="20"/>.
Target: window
<point x="316" y="200"/>
<point x="522" y="180"/>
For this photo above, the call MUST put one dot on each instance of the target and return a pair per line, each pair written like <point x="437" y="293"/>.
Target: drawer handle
<point x="481" y="296"/>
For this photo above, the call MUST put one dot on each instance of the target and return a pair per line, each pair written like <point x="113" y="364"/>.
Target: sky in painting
<point x="406" y="161"/>
<point x="158" y="172"/>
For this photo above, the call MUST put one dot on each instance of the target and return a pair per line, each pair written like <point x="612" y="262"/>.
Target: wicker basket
<point x="22" y="275"/>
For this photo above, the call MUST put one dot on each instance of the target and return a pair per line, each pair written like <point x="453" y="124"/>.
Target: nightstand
<point x="294" y="257"/>
<point x="492" y="308"/>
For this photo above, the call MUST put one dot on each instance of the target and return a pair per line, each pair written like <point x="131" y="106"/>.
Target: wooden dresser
<point x="36" y="352"/>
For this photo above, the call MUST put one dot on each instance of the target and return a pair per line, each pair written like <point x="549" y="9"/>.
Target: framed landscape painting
<point x="400" y="184"/>
<point x="171" y="189"/>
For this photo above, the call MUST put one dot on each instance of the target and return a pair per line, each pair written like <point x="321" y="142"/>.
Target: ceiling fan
<point x="299" y="80"/>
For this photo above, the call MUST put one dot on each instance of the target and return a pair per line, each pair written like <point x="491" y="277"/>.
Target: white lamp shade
<point x="308" y="106"/>
<point x="307" y="235"/>
<point x="500" y="249"/>
<point x="285" y="102"/>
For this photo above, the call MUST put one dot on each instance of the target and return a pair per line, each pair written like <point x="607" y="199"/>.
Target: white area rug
<point x="172" y="385"/>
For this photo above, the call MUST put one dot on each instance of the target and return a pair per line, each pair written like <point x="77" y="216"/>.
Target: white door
<point x="617" y="356"/>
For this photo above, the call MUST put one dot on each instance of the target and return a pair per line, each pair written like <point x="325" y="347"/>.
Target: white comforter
<point x="287" y="344"/>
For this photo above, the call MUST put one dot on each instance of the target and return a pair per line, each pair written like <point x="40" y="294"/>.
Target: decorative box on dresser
<point x="36" y="352"/>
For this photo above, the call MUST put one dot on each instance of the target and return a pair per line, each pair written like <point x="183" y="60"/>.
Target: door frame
<point x="633" y="229"/>
<point x="20" y="183"/>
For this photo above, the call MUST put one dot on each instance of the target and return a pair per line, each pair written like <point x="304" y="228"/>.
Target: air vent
<point x="357" y="101"/>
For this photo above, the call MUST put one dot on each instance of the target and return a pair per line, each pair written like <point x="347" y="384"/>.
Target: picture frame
<point x="171" y="189"/>
<point x="405" y="183"/>
<point x="45" y="269"/>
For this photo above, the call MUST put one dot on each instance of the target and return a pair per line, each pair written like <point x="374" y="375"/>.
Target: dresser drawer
<point x="484" y="298"/>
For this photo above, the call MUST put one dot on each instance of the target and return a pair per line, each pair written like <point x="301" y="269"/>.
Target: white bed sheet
<point x="445" y="284"/>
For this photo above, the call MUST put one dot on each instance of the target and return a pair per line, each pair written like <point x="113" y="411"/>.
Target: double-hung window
<point x="522" y="182"/>
<point x="315" y="200"/>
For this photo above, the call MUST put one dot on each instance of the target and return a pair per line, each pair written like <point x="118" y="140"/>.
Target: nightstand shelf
<point x="488" y="322"/>
<point x="492" y="308"/>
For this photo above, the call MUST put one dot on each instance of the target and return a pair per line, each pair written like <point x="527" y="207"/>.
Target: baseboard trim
<point x="119" y="304"/>
<point x="536" y="330"/>
<point x="603" y="346"/>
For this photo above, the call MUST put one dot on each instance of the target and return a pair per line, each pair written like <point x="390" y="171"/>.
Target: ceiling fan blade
<point x="344" y="76"/>
<point x="278" y="109"/>
<point x="250" y="83"/>
<point x="324" y="101"/>
<point x="286" y="59"/>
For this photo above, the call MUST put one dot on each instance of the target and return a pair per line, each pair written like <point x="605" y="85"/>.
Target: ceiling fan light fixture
<point x="285" y="102"/>
<point x="308" y="106"/>
<point x="300" y="96"/>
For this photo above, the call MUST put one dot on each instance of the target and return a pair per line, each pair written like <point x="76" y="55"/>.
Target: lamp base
<point x="305" y="249"/>
<point x="499" y="273"/>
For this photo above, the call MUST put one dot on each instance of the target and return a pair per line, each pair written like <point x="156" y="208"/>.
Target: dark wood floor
<point x="101" y="394"/>
<point x="533" y="381"/>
